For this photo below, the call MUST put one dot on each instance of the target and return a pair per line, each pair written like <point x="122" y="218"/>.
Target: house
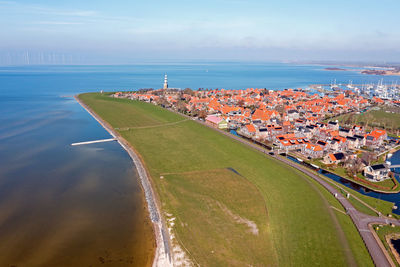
<point x="333" y="125"/>
<point x="248" y="130"/>
<point x="275" y="130"/>
<point x="303" y="131"/>
<point x="352" y="142"/>
<point x="216" y="122"/>
<point x="344" y="132"/>
<point x="293" y="114"/>
<point x="299" y="123"/>
<point x="334" y="158"/>
<point x="338" y="143"/>
<point x="358" y="129"/>
<point x="287" y="144"/>
<point x="324" y="145"/>
<point x="291" y="142"/>
<point x="376" y="173"/>
<point x="361" y="139"/>
<point x="313" y="151"/>
<point x="262" y="132"/>
<point x="375" y="138"/>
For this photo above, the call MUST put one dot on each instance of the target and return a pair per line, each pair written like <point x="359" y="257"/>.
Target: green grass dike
<point x="227" y="204"/>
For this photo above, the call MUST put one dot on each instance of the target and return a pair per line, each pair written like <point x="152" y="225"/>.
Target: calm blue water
<point x="63" y="205"/>
<point x="58" y="80"/>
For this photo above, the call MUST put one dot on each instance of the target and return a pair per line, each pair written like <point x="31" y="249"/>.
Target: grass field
<point x="212" y="217"/>
<point x="374" y="118"/>
<point x="214" y="206"/>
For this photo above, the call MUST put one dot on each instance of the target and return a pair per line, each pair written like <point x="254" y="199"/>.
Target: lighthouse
<point x="165" y="82"/>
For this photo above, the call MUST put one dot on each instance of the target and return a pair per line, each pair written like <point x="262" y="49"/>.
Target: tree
<point x="353" y="166"/>
<point x="280" y="109"/>
<point x="202" y="114"/>
<point x="163" y="102"/>
<point x="368" y="157"/>
<point x="188" y="91"/>
<point x="181" y="106"/>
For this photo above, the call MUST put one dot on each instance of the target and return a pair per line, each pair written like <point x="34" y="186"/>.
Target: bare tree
<point x="163" y="102"/>
<point x="188" y="91"/>
<point x="181" y="106"/>
<point x="368" y="157"/>
<point x="202" y="114"/>
<point x="353" y="166"/>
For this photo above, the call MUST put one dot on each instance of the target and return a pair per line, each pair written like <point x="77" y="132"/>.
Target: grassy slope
<point x="300" y="230"/>
<point x="207" y="217"/>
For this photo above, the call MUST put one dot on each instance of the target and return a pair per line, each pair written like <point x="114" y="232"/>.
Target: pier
<point x="93" y="142"/>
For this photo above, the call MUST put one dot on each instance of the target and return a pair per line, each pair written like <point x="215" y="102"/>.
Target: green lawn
<point x="293" y="214"/>
<point x="374" y="118"/>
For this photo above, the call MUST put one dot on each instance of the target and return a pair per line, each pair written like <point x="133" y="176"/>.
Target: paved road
<point x="360" y="220"/>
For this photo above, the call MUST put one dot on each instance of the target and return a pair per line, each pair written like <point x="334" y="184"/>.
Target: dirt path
<point x="151" y="126"/>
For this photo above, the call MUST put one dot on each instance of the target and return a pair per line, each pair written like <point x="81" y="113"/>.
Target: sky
<point x="123" y="32"/>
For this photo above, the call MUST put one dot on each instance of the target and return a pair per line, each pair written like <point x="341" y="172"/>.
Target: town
<point x="295" y="123"/>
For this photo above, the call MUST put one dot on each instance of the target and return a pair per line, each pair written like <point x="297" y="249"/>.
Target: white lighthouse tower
<point x="165" y="82"/>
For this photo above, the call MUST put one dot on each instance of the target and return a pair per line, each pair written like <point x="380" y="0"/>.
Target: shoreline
<point x="162" y="255"/>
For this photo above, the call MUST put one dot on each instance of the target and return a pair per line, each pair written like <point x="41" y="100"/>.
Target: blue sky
<point x="127" y="31"/>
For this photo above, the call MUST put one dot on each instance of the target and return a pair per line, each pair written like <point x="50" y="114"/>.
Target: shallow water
<point x="63" y="205"/>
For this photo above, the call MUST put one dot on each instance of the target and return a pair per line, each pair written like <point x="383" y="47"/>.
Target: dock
<point x="93" y="142"/>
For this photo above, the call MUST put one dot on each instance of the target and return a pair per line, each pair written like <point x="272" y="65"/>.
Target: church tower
<point x="165" y="82"/>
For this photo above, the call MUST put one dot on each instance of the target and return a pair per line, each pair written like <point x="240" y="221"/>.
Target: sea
<point x="63" y="205"/>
